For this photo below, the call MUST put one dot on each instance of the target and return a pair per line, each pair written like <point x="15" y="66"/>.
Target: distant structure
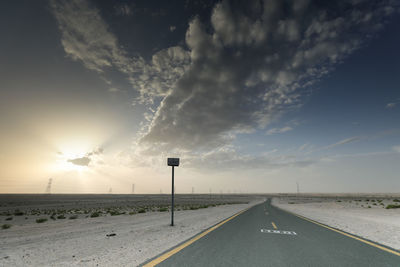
<point x="110" y="191"/>
<point x="48" y="187"/>
<point x="133" y="188"/>
<point x="192" y="190"/>
<point x="160" y="191"/>
<point x="298" y="187"/>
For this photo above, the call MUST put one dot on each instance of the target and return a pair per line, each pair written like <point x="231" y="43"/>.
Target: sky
<point x="252" y="96"/>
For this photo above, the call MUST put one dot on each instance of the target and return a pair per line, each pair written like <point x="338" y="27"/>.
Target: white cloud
<point x="304" y="146"/>
<point x="113" y="90"/>
<point x="344" y="141"/>
<point x="279" y="130"/>
<point x="123" y="9"/>
<point x="227" y="158"/>
<point x="86" y="38"/>
<point x="251" y="66"/>
<point x="391" y="105"/>
<point x="396" y="148"/>
<point x="247" y="69"/>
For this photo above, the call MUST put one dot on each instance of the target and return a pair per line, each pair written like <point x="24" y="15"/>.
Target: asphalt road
<point x="267" y="236"/>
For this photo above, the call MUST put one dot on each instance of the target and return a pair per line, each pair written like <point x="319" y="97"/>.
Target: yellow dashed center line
<point x="274" y="225"/>
<point x="187" y="243"/>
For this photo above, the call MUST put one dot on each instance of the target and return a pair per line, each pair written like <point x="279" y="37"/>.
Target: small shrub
<point x="53" y="217"/>
<point x="41" y="220"/>
<point x="338" y="201"/>
<point x="369" y="207"/>
<point x="18" y="213"/>
<point x="73" y="217"/>
<point x="396" y="200"/>
<point x="163" y="209"/>
<point x="142" y="211"/>
<point x="374" y="204"/>
<point x="94" y="214"/>
<point x="194" y="208"/>
<point x="60" y="217"/>
<point x="292" y="202"/>
<point x="9" y="218"/>
<point x="5" y="226"/>
<point x="132" y="213"/>
<point x="115" y="213"/>
<point x="393" y="207"/>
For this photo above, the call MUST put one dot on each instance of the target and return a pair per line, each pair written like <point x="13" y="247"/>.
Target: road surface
<point x="267" y="236"/>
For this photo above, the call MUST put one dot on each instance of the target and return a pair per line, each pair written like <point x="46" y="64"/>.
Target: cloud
<point x="226" y="158"/>
<point x="86" y="38"/>
<point x="113" y="90"/>
<point x="172" y="28"/>
<point x="123" y="9"/>
<point x="242" y="69"/>
<point x="251" y="64"/>
<point x="279" y="130"/>
<point x="304" y="146"/>
<point x="396" y="148"/>
<point x="84" y="161"/>
<point x="344" y="141"/>
<point x="391" y="105"/>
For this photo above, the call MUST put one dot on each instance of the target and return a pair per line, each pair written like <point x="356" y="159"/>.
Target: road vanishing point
<point x="268" y="236"/>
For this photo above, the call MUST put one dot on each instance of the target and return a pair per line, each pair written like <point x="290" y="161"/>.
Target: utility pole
<point x="133" y="188"/>
<point x="192" y="190"/>
<point x="298" y="188"/>
<point x="172" y="162"/>
<point x="48" y="187"/>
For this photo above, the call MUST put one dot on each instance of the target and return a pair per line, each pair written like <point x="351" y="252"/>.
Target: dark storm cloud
<point x="250" y="65"/>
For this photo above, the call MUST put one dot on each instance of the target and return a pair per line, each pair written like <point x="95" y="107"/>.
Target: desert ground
<point x="375" y="217"/>
<point x="104" y="230"/>
<point x="128" y="230"/>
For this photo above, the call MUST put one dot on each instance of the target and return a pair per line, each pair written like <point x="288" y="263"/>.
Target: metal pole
<point x="172" y="208"/>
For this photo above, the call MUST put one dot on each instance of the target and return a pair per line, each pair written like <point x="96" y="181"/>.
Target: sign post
<point x="172" y="162"/>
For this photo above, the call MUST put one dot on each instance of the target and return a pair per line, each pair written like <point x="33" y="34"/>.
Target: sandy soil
<point x="84" y="241"/>
<point x="365" y="217"/>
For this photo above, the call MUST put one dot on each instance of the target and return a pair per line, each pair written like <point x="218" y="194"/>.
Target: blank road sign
<point x="173" y="161"/>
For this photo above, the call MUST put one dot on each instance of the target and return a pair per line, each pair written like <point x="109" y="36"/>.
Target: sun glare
<point x="68" y="153"/>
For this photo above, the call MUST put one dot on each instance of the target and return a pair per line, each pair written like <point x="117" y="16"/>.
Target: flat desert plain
<point x="104" y="230"/>
<point x="372" y="216"/>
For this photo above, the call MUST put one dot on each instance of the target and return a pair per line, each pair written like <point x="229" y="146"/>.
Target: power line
<point x="48" y="187"/>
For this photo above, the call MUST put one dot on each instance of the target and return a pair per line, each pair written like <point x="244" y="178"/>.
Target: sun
<point x="72" y="157"/>
<point x="65" y="162"/>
